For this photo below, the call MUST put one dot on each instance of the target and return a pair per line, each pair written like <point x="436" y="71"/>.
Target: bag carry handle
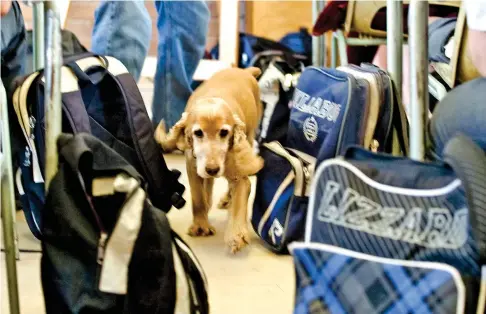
<point x="468" y="160"/>
<point x="82" y="76"/>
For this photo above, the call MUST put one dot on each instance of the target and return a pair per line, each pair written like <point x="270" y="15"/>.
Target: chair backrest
<point x="360" y="15"/>
<point x="461" y="69"/>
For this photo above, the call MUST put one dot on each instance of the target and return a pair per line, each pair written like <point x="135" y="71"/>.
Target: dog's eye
<point x="223" y="133"/>
<point x="198" y="133"/>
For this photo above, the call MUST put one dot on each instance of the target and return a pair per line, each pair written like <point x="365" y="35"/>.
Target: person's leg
<point x="13" y="46"/>
<point x="123" y="30"/>
<point x="182" y="27"/>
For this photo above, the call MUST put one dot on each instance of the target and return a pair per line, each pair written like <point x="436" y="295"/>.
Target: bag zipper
<point x="385" y="76"/>
<point x="103" y="234"/>
<point x="374" y="144"/>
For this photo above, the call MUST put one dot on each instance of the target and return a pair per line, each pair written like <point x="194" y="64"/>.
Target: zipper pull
<point x="374" y="146"/>
<point x="306" y="175"/>
<point x="32" y="126"/>
<point x="307" y="180"/>
<point x="27" y="157"/>
<point x="101" y="248"/>
<point x="32" y="122"/>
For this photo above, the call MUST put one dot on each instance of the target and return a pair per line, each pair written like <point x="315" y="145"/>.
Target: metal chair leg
<point x="333" y="51"/>
<point x="52" y="87"/>
<point x="38" y="35"/>
<point x="394" y="43"/>
<point x="318" y="42"/>
<point x="419" y="97"/>
<point x="341" y="42"/>
<point x="8" y="209"/>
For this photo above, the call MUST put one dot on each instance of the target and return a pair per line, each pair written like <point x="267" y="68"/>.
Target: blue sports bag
<point x="388" y="234"/>
<point x="282" y="195"/>
<point x="331" y="110"/>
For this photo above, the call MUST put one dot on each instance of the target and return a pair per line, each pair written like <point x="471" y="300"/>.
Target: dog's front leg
<point x="236" y="236"/>
<point x="201" y="202"/>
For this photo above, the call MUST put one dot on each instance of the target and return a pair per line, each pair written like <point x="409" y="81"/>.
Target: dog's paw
<point x="201" y="230"/>
<point x="238" y="241"/>
<point x="225" y="202"/>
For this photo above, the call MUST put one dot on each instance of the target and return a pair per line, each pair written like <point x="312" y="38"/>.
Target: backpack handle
<point x="83" y="76"/>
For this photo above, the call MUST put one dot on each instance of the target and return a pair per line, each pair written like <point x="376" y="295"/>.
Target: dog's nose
<point x="212" y="171"/>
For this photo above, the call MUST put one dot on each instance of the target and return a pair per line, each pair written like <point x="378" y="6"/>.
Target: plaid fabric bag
<point x="335" y="280"/>
<point x="370" y="211"/>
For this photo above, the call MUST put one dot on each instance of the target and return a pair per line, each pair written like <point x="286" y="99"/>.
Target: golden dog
<point x="216" y="132"/>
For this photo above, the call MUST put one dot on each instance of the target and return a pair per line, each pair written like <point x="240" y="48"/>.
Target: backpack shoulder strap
<point x="400" y="121"/>
<point x="195" y="276"/>
<point x="469" y="162"/>
<point x="72" y="102"/>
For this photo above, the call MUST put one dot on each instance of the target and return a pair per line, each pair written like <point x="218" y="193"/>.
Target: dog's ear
<point x="247" y="162"/>
<point x="175" y="139"/>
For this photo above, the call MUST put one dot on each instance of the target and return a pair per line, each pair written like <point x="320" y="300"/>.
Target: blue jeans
<point x="123" y="30"/>
<point x="13" y="46"/>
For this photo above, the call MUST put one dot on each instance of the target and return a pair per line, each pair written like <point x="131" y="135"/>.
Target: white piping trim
<point x="456" y="276"/>
<point x="376" y="185"/>
<point x="285" y="183"/>
<point x="20" y="107"/>
<point x="18" y="182"/>
<point x="182" y="304"/>
<point x="373" y="102"/>
<point x="189" y="252"/>
<point x="297" y="165"/>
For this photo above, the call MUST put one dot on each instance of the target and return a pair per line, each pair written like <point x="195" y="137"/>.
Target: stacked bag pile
<point x="370" y="230"/>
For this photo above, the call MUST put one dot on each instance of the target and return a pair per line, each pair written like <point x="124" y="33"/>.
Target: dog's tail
<point x="254" y="71"/>
<point x="161" y="137"/>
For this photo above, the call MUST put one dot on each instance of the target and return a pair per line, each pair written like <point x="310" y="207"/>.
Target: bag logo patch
<point x="275" y="231"/>
<point x="311" y="129"/>
<point x="428" y="227"/>
<point x="316" y="106"/>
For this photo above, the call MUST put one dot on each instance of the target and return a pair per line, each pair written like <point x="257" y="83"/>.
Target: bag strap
<point x="81" y="73"/>
<point x="399" y="121"/>
<point x="72" y="101"/>
<point x="195" y="275"/>
<point x="469" y="163"/>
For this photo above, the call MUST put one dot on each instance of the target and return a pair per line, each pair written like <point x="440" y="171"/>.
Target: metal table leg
<point x="419" y="97"/>
<point x="52" y="86"/>
<point x="8" y="209"/>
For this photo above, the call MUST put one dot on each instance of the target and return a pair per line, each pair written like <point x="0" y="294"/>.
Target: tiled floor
<point x="254" y="281"/>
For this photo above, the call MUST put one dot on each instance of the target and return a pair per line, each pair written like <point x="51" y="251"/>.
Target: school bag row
<point x="370" y="230"/>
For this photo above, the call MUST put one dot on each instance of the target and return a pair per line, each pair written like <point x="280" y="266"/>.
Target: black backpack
<point x="105" y="247"/>
<point x="101" y="98"/>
